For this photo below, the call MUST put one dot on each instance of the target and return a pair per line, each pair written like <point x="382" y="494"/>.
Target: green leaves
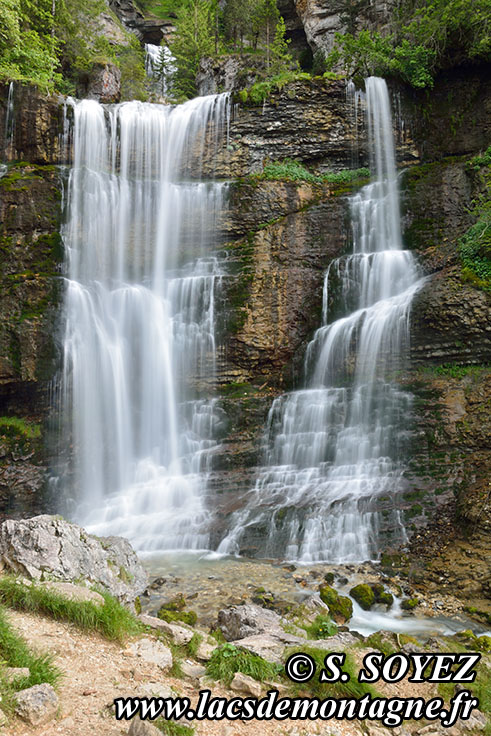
<point x="427" y="36"/>
<point x="193" y="39"/>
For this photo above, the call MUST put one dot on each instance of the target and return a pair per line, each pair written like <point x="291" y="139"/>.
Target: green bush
<point x="426" y="37"/>
<point x="322" y="628"/>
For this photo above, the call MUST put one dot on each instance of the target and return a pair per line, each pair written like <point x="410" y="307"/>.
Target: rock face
<point x="104" y="83"/>
<point x="322" y="19"/>
<point x="48" y="547"/>
<point x="37" y="705"/>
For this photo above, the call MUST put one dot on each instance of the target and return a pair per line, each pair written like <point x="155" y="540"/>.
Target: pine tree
<point x="193" y="39"/>
<point x="280" y="58"/>
<point x="269" y="15"/>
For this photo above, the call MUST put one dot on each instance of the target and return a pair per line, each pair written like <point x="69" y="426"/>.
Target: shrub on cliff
<point x="426" y="37"/>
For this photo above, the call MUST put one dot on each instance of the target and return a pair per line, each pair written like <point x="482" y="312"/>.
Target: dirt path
<point x="97" y="671"/>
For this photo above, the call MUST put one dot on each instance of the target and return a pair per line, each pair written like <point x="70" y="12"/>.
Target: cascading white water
<point x="9" y="128"/>
<point x="333" y="448"/>
<point x="139" y="311"/>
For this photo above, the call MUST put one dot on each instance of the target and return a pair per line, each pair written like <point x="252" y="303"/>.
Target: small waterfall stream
<point x="334" y="450"/>
<point x="139" y="319"/>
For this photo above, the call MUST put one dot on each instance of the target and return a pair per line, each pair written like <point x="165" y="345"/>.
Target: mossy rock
<point x="340" y="606"/>
<point x="185" y="617"/>
<point x="381" y="595"/>
<point x="329" y="578"/>
<point x="364" y="595"/>
<point x="178" y="603"/>
<point x="409" y="604"/>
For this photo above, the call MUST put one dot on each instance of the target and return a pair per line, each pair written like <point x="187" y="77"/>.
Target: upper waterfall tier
<point x="335" y="447"/>
<point x="140" y="318"/>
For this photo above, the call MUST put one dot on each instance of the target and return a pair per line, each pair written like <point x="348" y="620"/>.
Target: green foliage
<point x="280" y="59"/>
<point x="193" y="39"/>
<point x="193" y="645"/>
<point x="454" y="370"/>
<point x="475" y="252"/>
<point x="409" y="603"/>
<point x="229" y="659"/>
<point x="291" y="170"/>
<point x="112" y="620"/>
<point x="14" y="652"/>
<point x="477" y="162"/>
<point x="17" y="427"/>
<point x="427" y="37"/>
<point x="171" y="728"/>
<point x="322" y="628"/>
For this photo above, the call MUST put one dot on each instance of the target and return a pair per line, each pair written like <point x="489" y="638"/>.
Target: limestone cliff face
<point x="322" y="19"/>
<point x="30" y="284"/>
<point x="279" y="238"/>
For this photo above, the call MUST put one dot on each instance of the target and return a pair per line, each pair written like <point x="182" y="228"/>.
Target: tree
<point x="193" y="39"/>
<point x="280" y="58"/>
<point x="269" y="16"/>
<point x="236" y="17"/>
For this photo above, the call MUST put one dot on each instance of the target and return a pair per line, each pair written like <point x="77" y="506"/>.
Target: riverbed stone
<point x="239" y="622"/>
<point x="179" y="634"/>
<point x="37" y="705"/>
<point x="153" y="651"/>
<point x="50" y="548"/>
<point x="245" y="684"/>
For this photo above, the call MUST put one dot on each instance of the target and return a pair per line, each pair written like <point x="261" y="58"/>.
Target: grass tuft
<point x="112" y="620"/>
<point x="229" y="659"/>
<point x="14" y="652"/>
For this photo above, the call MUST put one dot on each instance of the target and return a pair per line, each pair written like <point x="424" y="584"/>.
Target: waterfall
<point x="9" y="129"/>
<point x="160" y="67"/>
<point x="139" y="342"/>
<point x="334" y="450"/>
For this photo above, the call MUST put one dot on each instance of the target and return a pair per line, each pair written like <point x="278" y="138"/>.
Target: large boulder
<point x="50" y="548"/>
<point x="239" y="622"/>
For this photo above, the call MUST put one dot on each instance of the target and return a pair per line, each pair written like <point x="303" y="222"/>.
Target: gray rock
<point x="180" y="635"/>
<point x="239" y="622"/>
<point x="267" y="646"/>
<point x="143" y="728"/>
<point x="193" y="670"/>
<point x="205" y="651"/>
<point x="153" y="651"/>
<point x="104" y="83"/>
<point x="477" y="721"/>
<point x="245" y="684"/>
<point x="37" y="705"/>
<point x="50" y="548"/>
